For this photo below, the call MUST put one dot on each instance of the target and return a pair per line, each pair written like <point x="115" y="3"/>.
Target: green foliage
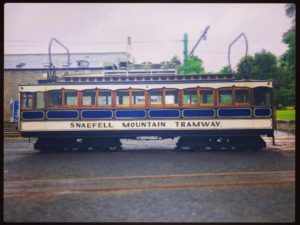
<point x="262" y="66"/>
<point x="286" y="86"/>
<point x="288" y="59"/>
<point x="225" y="70"/>
<point x="194" y="65"/>
<point x="286" y="115"/>
<point x="244" y="68"/>
<point x="290" y="10"/>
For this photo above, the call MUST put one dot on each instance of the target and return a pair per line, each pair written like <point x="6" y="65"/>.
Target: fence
<point x="286" y="125"/>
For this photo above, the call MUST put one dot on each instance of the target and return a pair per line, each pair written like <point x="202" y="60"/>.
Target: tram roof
<point x="141" y="77"/>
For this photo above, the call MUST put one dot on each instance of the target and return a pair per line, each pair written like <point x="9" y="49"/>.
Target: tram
<point x="96" y="111"/>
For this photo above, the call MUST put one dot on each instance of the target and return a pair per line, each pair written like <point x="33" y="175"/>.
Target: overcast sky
<point x="156" y="30"/>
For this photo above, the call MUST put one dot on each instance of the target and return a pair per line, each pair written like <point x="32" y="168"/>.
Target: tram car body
<point x="93" y="112"/>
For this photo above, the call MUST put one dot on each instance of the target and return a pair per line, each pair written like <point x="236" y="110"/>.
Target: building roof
<point x="78" y="60"/>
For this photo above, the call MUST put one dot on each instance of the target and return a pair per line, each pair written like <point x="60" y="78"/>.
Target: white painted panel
<point x="147" y="125"/>
<point x="263" y="123"/>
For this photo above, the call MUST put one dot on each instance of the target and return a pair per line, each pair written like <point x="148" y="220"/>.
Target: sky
<point x="156" y="29"/>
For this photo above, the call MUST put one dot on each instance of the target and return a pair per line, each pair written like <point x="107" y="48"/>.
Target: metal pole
<point x="185" y="52"/>
<point x="229" y="48"/>
<point x="203" y="36"/>
<point x="51" y="66"/>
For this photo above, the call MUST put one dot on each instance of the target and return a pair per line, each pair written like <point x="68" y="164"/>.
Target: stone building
<point x="29" y="68"/>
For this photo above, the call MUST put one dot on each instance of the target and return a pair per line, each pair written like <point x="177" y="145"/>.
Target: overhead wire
<point x="134" y="41"/>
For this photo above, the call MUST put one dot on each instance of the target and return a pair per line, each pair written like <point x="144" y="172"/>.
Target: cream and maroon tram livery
<point x="96" y="112"/>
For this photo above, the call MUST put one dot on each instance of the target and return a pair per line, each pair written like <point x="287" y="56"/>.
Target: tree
<point x="286" y="87"/>
<point x="262" y="66"/>
<point x="244" y="67"/>
<point x="288" y="58"/>
<point x="265" y="65"/>
<point x="225" y="70"/>
<point x="290" y="10"/>
<point x="175" y="60"/>
<point x="194" y="65"/>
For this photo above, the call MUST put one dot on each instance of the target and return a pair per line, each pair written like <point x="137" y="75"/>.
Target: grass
<point x="285" y="114"/>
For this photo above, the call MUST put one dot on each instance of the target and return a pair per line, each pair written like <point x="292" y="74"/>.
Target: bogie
<point x="77" y="144"/>
<point x="221" y="143"/>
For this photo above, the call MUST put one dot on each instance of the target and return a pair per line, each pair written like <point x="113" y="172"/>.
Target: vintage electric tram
<point x="95" y="111"/>
<point x="204" y="110"/>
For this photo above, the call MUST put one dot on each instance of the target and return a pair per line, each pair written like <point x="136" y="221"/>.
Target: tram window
<point x="206" y="97"/>
<point x="190" y="97"/>
<point x="242" y="96"/>
<point x="171" y="97"/>
<point x="40" y="104"/>
<point x="89" y="98"/>
<point x="262" y="96"/>
<point x="123" y="98"/>
<point x="138" y="98"/>
<point x="225" y="96"/>
<point x="27" y="100"/>
<point x="70" y="98"/>
<point x="156" y="97"/>
<point x="104" y="98"/>
<point x="55" y="98"/>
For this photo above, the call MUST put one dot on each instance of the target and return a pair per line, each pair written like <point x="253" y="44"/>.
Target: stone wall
<point x="12" y="78"/>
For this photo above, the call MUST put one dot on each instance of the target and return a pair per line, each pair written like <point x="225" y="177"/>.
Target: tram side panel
<point x="37" y="120"/>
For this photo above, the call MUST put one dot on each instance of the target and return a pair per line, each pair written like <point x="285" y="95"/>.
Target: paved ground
<point x="150" y="182"/>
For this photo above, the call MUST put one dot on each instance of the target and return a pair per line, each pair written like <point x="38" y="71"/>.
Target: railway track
<point x="28" y="188"/>
<point x="285" y="143"/>
<point x="12" y="134"/>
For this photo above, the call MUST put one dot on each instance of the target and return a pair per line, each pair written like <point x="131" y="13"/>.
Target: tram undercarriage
<point x="184" y="142"/>
<point x="222" y="142"/>
<point x="54" y="144"/>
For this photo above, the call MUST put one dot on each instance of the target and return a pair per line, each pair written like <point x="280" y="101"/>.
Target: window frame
<point x="197" y="97"/>
<point x="112" y="95"/>
<point x="243" y="103"/>
<point x="213" y="97"/>
<point x="130" y="92"/>
<point x="116" y="98"/>
<point x="218" y="96"/>
<point x="81" y="98"/>
<point x="271" y="97"/>
<point x="137" y="105"/>
<point x="63" y="99"/>
<point x="47" y="99"/>
<point x="33" y="100"/>
<point x="162" y="99"/>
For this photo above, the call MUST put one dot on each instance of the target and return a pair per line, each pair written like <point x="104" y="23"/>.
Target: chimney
<point x="129" y="47"/>
<point x="129" y="41"/>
